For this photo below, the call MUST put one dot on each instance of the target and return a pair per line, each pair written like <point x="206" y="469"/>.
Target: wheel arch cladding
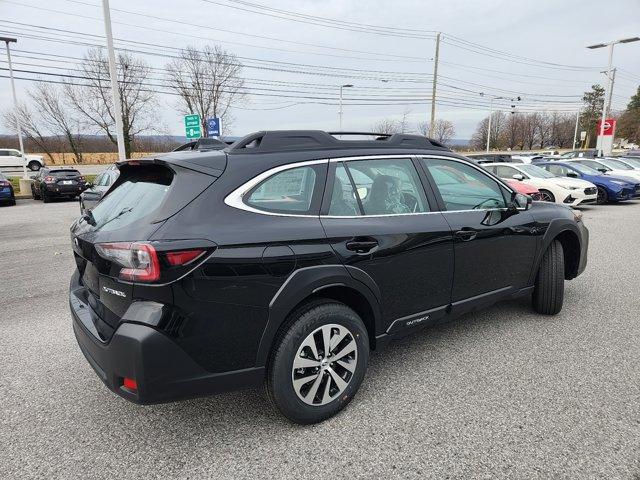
<point x="571" y="249"/>
<point x="331" y="282"/>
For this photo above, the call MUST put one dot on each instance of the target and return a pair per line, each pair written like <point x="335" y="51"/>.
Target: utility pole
<point x="113" y="73"/>
<point x="612" y="80"/>
<point x="575" y="131"/>
<point x="607" y="98"/>
<point x="16" y="114"/>
<point x="432" y="125"/>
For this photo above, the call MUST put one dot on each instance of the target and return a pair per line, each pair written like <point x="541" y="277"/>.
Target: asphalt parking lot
<point x="501" y="393"/>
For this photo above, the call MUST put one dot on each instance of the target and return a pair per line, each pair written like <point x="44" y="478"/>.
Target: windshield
<point x="615" y="164"/>
<point x="536" y="172"/>
<point x="138" y="195"/>
<point x="63" y="173"/>
<point x="584" y="169"/>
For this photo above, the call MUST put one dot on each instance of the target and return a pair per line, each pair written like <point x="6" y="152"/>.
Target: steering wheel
<point x="410" y="201"/>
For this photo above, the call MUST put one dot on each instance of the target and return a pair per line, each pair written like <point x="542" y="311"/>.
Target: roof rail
<point x="290" y="140"/>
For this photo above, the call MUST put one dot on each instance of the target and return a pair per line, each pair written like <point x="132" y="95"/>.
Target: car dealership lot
<point x="499" y="393"/>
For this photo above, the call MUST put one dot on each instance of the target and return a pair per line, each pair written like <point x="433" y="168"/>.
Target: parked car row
<point x="614" y="178"/>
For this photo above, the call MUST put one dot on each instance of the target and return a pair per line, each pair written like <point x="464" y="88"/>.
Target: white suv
<point x="13" y="158"/>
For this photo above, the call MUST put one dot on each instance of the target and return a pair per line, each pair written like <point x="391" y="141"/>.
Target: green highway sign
<point x="192" y="126"/>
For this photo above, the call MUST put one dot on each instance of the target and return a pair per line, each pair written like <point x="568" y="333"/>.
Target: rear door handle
<point x="466" y="235"/>
<point x="362" y="245"/>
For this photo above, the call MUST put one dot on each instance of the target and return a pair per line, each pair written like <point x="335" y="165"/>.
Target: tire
<point x="12" y="202"/>
<point x="547" y="196"/>
<point x="548" y="291"/>
<point x="34" y="166"/>
<point x="34" y="195"/>
<point x="603" y="196"/>
<point x="45" y="198"/>
<point x="333" y="386"/>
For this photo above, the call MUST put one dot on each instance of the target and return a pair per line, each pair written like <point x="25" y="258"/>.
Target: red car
<point x="525" y="189"/>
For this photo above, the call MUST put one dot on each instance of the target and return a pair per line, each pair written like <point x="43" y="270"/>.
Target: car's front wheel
<point x="318" y="362"/>
<point x="547" y="196"/>
<point x="603" y="196"/>
<point x="548" y="292"/>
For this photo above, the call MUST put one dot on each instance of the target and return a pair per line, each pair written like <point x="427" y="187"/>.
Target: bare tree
<point x="57" y="117"/>
<point x="443" y="130"/>
<point x="208" y="82"/>
<point x="386" y="126"/>
<point x="512" y="133"/>
<point x="94" y="102"/>
<point x="479" y="138"/>
<point x="31" y="129"/>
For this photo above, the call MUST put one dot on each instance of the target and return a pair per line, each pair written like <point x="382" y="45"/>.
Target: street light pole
<point x="489" y="126"/>
<point x="575" y="131"/>
<point x="433" y="90"/>
<point x="608" y="92"/>
<point x="113" y="73"/>
<point x="348" y="85"/>
<point x="16" y="113"/>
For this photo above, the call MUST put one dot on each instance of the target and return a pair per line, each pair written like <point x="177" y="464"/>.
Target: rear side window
<point x="140" y="194"/>
<point x="463" y="187"/>
<point x="386" y="186"/>
<point x="290" y="191"/>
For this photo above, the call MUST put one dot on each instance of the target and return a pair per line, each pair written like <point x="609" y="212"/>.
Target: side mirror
<point x="572" y="174"/>
<point x="518" y="176"/>
<point x="520" y="201"/>
<point x="602" y="170"/>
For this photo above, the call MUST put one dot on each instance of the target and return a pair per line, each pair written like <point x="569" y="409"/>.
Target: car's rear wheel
<point x="547" y="196"/>
<point x="548" y="292"/>
<point x="603" y="196"/>
<point x="44" y="196"/>
<point x="34" y="166"/>
<point x="318" y="362"/>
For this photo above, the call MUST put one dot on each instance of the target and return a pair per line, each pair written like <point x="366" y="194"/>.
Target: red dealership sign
<point x="609" y="127"/>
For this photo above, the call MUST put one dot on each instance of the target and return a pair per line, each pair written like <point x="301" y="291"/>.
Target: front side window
<point x="289" y="191"/>
<point x="463" y="187"/>
<point x="388" y="186"/>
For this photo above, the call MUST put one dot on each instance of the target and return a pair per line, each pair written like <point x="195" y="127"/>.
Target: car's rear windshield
<point x="63" y="173"/>
<point x="139" y="194"/>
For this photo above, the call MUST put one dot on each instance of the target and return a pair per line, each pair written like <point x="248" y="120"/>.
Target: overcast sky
<point x="526" y="38"/>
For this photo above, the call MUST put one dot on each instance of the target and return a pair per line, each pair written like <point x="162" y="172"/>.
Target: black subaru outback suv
<point x="289" y="256"/>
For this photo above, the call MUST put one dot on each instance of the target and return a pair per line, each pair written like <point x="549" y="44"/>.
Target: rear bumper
<point x="64" y="191"/>
<point x="162" y="370"/>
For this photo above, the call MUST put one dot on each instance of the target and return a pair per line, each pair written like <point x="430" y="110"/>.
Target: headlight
<point x="570" y="187"/>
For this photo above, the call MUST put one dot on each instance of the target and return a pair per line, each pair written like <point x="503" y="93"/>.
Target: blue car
<point x="6" y="191"/>
<point x="610" y="188"/>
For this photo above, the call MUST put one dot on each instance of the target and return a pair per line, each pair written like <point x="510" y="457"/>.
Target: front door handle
<point x="466" y="235"/>
<point x="362" y="245"/>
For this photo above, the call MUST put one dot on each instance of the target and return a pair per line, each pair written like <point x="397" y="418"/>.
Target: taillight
<point x="140" y="260"/>
<point x="130" y="383"/>
<point x="49" y="179"/>
<point x="81" y="179"/>
<point x="5" y="183"/>
<point x="183" y="257"/>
